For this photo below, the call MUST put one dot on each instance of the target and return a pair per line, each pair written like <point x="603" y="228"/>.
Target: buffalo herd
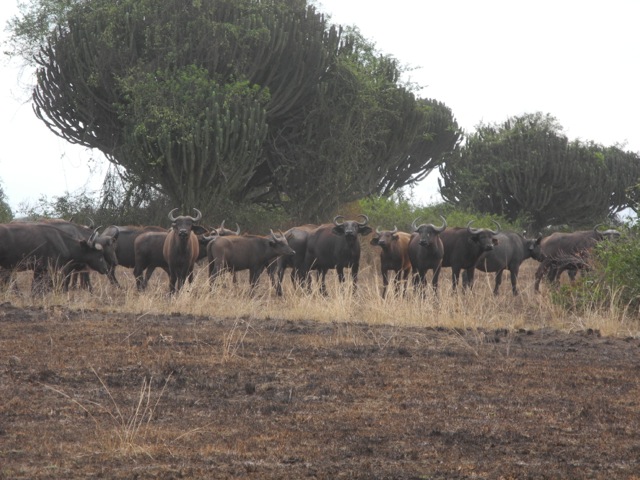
<point x="59" y="246"/>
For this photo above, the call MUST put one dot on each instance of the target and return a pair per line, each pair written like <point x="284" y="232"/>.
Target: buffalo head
<point x="384" y="238"/>
<point x="427" y="231"/>
<point x="184" y="224"/>
<point x="280" y="244"/>
<point x="484" y="237"/>
<point x="351" y="228"/>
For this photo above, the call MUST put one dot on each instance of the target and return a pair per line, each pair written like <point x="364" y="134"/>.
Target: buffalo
<point x="148" y="248"/>
<point x="426" y="251"/>
<point x="81" y="232"/>
<point x="297" y="240"/>
<point x="569" y="251"/>
<point x="462" y="249"/>
<point x="512" y="249"/>
<point x="394" y="255"/>
<point x="125" y="250"/>
<point x="41" y="247"/>
<point x="250" y="252"/>
<point x="181" y="248"/>
<point x="336" y="246"/>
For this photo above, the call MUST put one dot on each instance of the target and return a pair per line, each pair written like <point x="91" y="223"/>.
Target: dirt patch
<point x="91" y="394"/>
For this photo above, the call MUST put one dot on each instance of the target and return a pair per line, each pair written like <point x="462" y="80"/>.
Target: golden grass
<point x="477" y="309"/>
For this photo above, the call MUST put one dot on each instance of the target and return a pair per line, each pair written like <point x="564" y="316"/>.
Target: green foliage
<point x="613" y="280"/>
<point x="526" y="168"/>
<point x="387" y="212"/>
<point x="253" y="101"/>
<point x="5" y="210"/>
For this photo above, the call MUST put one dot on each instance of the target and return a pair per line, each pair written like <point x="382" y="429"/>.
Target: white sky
<point x="487" y="60"/>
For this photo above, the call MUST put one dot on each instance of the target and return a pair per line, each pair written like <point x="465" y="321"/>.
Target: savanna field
<point x="219" y="383"/>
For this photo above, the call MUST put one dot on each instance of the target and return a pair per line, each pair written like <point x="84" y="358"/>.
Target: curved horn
<point x="366" y="220"/>
<point x="497" y="231"/>
<point x="414" y="225"/>
<point x="472" y="231"/>
<point x="273" y="235"/>
<point x="171" y="217"/>
<point x="378" y="230"/>
<point x="395" y="230"/>
<point x="92" y="238"/>
<point x="444" y="225"/>
<point x="91" y="223"/>
<point x="595" y="229"/>
<point x="198" y="216"/>
<point x="222" y="225"/>
<point x="335" y="220"/>
<point x="238" y="229"/>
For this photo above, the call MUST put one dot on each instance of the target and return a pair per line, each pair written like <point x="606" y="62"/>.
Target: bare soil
<point x="87" y="394"/>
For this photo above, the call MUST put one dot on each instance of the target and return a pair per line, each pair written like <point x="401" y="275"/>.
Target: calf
<point x="394" y="255"/>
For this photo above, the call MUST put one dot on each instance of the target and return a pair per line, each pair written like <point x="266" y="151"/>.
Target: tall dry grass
<point x="476" y="309"/>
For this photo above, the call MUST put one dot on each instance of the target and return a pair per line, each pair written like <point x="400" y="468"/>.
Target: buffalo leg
<point x="514" y="281"/>
<point x="498" y="282"/>
<point x="436" y="276"/>
<point x="385" y="282"/>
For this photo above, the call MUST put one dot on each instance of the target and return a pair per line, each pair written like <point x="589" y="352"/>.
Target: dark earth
<point x="88" y="394"/>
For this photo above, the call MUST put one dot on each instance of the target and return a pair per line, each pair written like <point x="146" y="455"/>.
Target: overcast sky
<point x="487" y="60"/>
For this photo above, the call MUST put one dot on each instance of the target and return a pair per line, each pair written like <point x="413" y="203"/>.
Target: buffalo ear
<point x="495" y="241"/>
<point x="366" y="230"/>
<point x="199" y="230"/>
<point x="374" y="240"/>
<point x="395" y="237"/>
<point x="338" y="230"/>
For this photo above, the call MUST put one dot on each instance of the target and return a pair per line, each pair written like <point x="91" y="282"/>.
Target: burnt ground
<point x="85" y="394"/>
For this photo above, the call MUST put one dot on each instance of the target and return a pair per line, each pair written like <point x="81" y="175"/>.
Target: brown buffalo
<point x="426" y="252"/>
<point x="249" y="252"/>
<point x="394" y="255"/>
<point x="148" y="248"/>
<point x="335" y="245"/>
<point x="569" y="251"/>
<point x="41" y="247"/>
<point x="181" y="248"/>
<point x="462" y="249"/>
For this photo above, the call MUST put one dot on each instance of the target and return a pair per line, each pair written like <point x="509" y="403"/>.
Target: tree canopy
<point x="231" y="100"/>
<point x="526" y="167"/>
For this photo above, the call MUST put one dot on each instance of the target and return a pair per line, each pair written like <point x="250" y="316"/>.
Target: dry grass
<point x="478" y="309"/>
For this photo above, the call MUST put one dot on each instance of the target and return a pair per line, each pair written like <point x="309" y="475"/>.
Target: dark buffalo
<point x="336" y="246"/>
<point x="40" y="246"/>
<point x="569" y="251"/>
<point x="394" y="255"/>
<point x="82" y="232"/>
<point x="426" y="252"/>
<point x="125" y="250"/>
<point x="148" y="248"/>
<point x="181" y="248"/>
<point x="250" y="252"/>
<point x="512" y="249"/>
<point x="462" y="249"/>
<point x="297" y="240"/>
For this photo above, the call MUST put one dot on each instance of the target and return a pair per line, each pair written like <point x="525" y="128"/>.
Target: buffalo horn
<point x="395" y="229"/>
<point x="472" y="231"/>
<point x="378" y="231"/>
<point x="92" y="238"/>
<point x="237" y="229"/>
<point x="335" y="220"/>
<point x="366" y="220"/>
<point x="414" y="224"/>
<point x="171" y="217"/>
<point x="444" y="225"/>
<point x="497" y="231"/>
<point x="198" y="216"/>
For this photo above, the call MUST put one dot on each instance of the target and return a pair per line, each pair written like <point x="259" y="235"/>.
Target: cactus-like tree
<point x="248" y="100"/>
<point x="527" y="168"/>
